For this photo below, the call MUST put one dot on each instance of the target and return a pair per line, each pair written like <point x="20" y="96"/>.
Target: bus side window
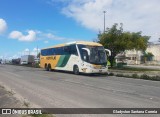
<point x="66" y="49"/>
<point x="53" y="51"/>
<point x="44" y="52"/>
<point x="73" y="50"/>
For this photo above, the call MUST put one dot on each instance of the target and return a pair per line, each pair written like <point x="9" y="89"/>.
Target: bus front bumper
<point x="85" y="70"/>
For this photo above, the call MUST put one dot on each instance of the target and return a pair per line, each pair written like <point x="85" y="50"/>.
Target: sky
<point x="26" y="25"/>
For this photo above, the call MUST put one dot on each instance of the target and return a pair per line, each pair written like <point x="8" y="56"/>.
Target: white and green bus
<point x="79" y="57"/>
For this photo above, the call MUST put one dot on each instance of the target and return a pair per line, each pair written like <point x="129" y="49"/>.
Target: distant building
<point x="155" y="50"/>
<point x="134" y="57"/>
<point x="137" y="57"/>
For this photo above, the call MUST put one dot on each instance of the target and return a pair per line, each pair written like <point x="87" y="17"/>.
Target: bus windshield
<point x="93" y="54"/>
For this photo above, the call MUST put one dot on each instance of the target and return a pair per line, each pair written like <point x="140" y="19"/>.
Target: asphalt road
<point x="57" y="89"/>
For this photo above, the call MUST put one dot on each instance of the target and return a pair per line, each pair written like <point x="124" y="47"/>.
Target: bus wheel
<point x="49" y="68"/>
<point x="46" y="67"/>
<point x="76" y="70"/>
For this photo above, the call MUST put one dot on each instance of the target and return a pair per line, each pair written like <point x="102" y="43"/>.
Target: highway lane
<point x="57" y="89"/>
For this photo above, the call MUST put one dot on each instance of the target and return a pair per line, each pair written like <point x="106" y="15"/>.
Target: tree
<point x="139" y="42"/>
<point x="148" y="56"/>
<point x="118" y="41"/>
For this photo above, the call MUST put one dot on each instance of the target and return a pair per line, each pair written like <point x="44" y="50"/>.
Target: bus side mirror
<point x="88" y="51"/>
<point x="107" y="50"/>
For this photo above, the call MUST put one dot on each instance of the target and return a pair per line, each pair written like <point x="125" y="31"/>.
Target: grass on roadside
<point x="136" y="76"/>
<point x="133" y="69"/>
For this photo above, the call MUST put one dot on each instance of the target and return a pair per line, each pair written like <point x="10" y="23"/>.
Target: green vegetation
<point x="136" y="76"/>
<point x="36" y="65"/>
<point x="118" y="41"/>
<point x="119" y="75"/>
<point x="108" y="63"/>
<point x="148" y="56"/>
<point x="133" y="69"/>
<point x="111" y="74"/>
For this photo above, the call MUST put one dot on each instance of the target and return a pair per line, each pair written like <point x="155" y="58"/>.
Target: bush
<point x="111" y="74"/>
<point x="144" y="76"/>
<point x="127" y="76"/>
<point x="36" y="65"/>
<point x="135" y="76"/>
<point x="120" y="75"/>
<point x="156" y="78"/>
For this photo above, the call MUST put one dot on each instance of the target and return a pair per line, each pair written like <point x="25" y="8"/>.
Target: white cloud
<point x="50" y="36"/>
<point x="136" y="15"/>
<point x="3" y="26"/>
<point x="26" y="50"/>
<point x="36" y="49"/>
<point x="54" y="37"/>
<point x="21" y="37"/>
<point x="46" y="42"/>
<point x="14" y="57"/>
<point x="58" y="38"/>
<point x="15" y="34"/>
<point x="46" y="35"/>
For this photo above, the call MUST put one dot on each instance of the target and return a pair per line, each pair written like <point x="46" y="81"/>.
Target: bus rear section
<point x="59" y="57"/>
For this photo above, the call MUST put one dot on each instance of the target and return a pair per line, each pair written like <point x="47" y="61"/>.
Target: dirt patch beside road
<point x="7" y="100"/>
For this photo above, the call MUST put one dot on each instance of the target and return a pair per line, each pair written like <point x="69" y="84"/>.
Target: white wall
<point x="155" y="50"/>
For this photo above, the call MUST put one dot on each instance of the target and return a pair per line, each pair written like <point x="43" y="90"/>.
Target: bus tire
<point x="46" y="67"/>
<point x="76" y="70"/>
<point x="49" y="68"/>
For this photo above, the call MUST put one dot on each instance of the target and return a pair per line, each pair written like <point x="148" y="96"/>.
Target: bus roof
<point x="76" y="42"/>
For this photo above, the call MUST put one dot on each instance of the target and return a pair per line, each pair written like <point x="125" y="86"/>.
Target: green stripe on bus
<point x="60" y="61"/>
<point x="63" y="60"/>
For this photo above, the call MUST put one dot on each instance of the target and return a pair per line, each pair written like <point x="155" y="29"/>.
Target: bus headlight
<point x="93" y="67"/>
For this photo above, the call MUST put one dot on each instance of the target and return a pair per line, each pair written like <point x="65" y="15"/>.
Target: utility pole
<point x="104" y="20"/>
<point x="37" y="51"/>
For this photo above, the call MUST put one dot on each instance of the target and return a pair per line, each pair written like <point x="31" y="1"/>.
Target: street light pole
<point x="104" y="20"/>
<point x="37" y="51"/>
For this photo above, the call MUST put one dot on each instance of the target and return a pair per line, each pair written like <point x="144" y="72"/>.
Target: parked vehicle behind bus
<point x="79" y="57"/>
<point x="27" y="59"/>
